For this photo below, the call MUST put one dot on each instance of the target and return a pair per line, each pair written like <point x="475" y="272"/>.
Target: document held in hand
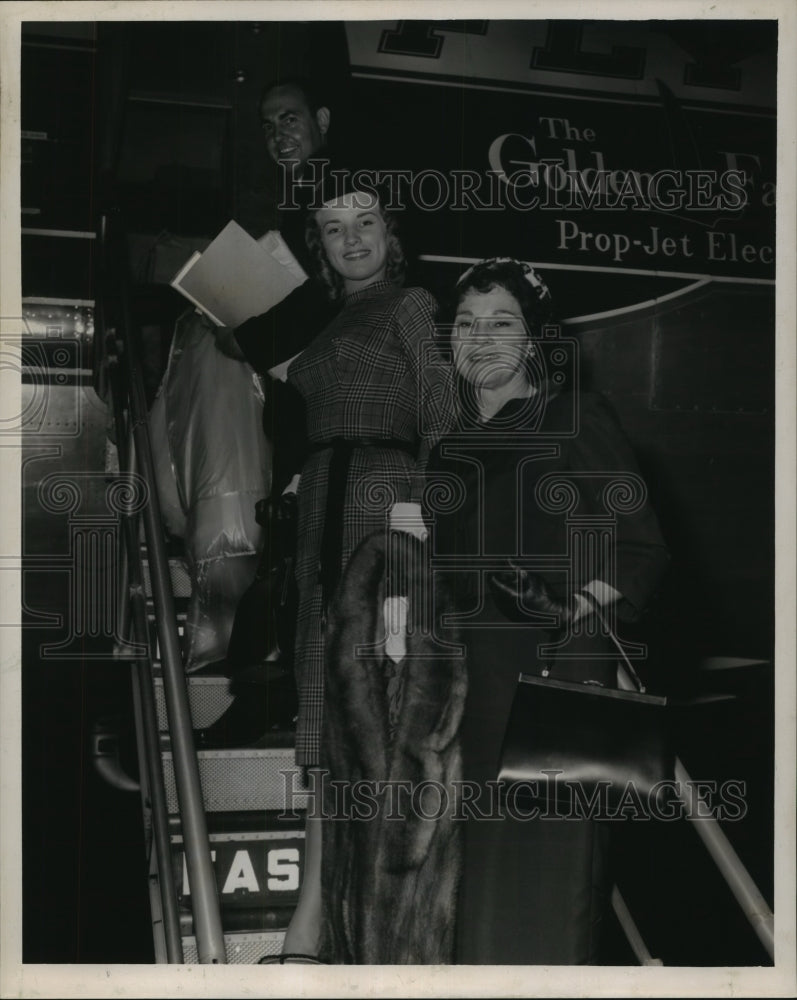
<point x="238" y="277"/>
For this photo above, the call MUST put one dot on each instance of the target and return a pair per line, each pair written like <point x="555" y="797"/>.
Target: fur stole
<point x="391" y="847"/>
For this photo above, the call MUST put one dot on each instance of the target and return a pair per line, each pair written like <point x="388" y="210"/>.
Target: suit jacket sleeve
<point x="278" y="335"/>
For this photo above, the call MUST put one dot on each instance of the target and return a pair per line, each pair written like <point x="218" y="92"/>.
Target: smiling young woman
<point x="355" y="239"/>
<point x="355" y="244"/>
<point x="377" y="398"/>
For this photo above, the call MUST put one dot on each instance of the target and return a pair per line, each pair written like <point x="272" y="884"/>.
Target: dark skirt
<point x="533" y="891"/>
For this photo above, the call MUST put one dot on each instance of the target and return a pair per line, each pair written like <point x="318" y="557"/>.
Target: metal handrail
<point x="738" y="879"/>
<point x="204" y="895"/>
<point x="135" y="606"/>
<point x="631" y="930"/>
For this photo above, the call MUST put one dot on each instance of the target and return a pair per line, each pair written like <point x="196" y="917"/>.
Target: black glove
<point x="285" y="508"/>
<point x="516" y="592"/>
<point x="279" y="513"/>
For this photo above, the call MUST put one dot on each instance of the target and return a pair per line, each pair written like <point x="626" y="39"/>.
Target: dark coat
<point x="389" y="875"/>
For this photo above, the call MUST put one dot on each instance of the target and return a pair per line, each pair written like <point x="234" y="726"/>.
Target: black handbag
<point x="590" y="750"/>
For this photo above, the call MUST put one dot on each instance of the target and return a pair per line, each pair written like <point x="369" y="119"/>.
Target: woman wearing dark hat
<point x="377" y="398"/>
<point x="529" y="458"/>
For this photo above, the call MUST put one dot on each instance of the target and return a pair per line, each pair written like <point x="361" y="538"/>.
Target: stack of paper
<point x="238" y="277"/>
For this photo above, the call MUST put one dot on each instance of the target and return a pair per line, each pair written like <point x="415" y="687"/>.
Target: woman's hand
<point x="517" y="590"/>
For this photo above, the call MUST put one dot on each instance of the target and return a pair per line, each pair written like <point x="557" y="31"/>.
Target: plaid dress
<point x="373" y="375"/>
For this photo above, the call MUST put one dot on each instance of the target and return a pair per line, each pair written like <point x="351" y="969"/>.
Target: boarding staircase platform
<point x="254" y="802"/>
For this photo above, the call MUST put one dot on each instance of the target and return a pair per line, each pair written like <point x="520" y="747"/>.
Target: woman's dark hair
<point x="534" y="299"/>
<point x="396" y="264"/>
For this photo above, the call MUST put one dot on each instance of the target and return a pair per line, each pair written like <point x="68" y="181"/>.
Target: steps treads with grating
<point x="208" y="697"/>
<point x="243" y="780"/>
<point x="242" y="949"/>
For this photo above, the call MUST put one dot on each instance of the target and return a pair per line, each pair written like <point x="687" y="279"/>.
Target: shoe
<point x="263" y="710"/>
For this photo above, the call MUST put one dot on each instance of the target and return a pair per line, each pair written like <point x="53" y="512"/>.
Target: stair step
<point x="208" y="697"/>
<point x="181" y="581"/>
<point x="242" y="949"/>
<point x="243" y="780"/>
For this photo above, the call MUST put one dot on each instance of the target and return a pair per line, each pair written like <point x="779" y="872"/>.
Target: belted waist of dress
<point x="332" y="538"/>
<point x="342" y="444"/>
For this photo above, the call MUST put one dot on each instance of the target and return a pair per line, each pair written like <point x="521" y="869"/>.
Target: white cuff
<point x="408" y="517"/>
<point x="293" y="485"/>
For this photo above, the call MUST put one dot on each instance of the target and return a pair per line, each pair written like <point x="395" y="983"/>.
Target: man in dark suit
<point x="296" y="128"/>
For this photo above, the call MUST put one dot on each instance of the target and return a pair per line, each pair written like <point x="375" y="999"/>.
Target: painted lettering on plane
<point x="282" y="869"/>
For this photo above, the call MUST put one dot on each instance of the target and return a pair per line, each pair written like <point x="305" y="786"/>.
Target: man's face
<point x="293" y="133"/>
